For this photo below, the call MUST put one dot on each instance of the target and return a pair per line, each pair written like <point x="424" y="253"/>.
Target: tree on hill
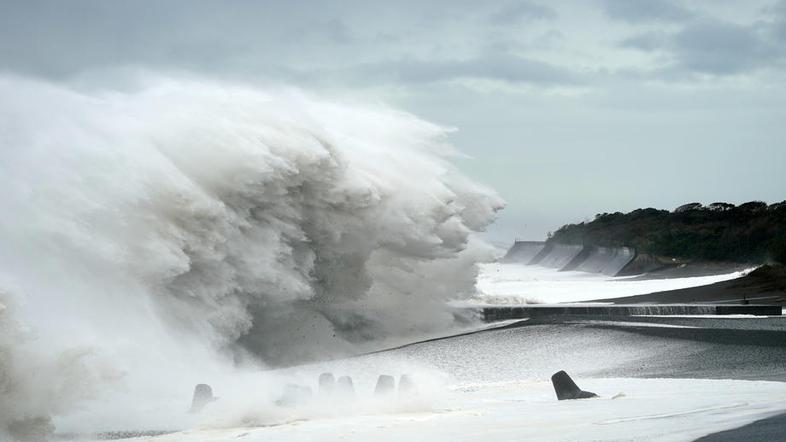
<point x="750" y="232"/>
<point x="720" y="206"/>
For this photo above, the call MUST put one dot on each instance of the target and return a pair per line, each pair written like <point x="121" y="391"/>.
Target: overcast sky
<point x="567" y="108"/>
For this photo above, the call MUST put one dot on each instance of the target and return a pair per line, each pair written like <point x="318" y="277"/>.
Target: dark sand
<point x="766" y="285"/>
<point x="688" y="270"/>
<point x="765" y="430"/>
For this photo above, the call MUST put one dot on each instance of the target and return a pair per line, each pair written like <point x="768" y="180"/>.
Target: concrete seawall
<point x="601" y="311"/>
<point x="524" y="251"/>
<point x="605" y="260"/>
<point x="645" y="263"/>
<point x="559" y="255"/>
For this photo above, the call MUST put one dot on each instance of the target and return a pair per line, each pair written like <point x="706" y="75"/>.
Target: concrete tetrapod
<point x="345" y="386"/>
<point x="386" y="384"/>
<point x="326" y="383"/>
<point x="203" y="395"/>
<point x="567" y="389"/>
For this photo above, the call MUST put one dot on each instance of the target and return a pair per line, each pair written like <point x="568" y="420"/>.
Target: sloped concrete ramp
<point x="524" y="251"/>
<point x="606" y="260"/>
<point x="559" y="255"/>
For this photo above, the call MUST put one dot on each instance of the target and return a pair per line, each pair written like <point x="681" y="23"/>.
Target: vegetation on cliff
<point x="751" y="233"/>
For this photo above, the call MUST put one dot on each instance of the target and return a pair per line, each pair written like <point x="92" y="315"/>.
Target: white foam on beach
<point x="647" y="409"/>
<point x="506" y="283"/>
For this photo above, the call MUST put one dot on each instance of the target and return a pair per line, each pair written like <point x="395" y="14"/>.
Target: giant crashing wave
<point x="188" y="222"/>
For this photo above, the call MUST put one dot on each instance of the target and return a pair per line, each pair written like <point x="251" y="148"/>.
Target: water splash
<point x="187" y="228"/>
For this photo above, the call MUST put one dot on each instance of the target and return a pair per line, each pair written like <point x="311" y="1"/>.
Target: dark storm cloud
<point x="640" y="11"/>
<point x="648" y="41"/>
<point x="716" y="47"/>
<point x="334" y="30"/>
<point x="709" y="47"/>
<point x="778" y="8"/>
<point x="409" y="42"/>
<point x="777" y="13"/>
<point x="311" y="42"/>
<point x="61" y="38"/>
<point x="520" y="11"/>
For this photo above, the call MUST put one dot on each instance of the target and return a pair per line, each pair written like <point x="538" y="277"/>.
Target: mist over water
<point x="188" y="230"/>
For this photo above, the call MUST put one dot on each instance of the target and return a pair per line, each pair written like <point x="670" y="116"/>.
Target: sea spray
<point x="189" y="230"/>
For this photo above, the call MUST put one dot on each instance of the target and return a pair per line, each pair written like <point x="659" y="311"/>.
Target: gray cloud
<point x="777" y="22"/>
<point x="522" y="10"/>
<point x="58" y="39"/>
<point x="492" y="66"/>
<point x="715" y="47"/>
<point x="280" y="40"/>
<point x="318" y="44"/>
<point x="61" y="38"/>
<point x="334" y="30"/>
<point x="778" y="8"/>
<point x="648" y="41"/>
<point x="639" y="11"/>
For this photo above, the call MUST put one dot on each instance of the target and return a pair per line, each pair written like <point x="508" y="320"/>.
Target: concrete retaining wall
<point x="524" y="251"/>
<point x="606" y="260"/>
<point x="644" y="263"/>
<point x="560" y="255"/>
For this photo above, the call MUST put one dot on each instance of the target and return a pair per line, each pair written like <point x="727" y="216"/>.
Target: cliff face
<point x="749" y="233"/>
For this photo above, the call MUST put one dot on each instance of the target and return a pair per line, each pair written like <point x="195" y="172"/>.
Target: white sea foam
<point x="504" y="283"/>
<point x="628" y="409"/>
